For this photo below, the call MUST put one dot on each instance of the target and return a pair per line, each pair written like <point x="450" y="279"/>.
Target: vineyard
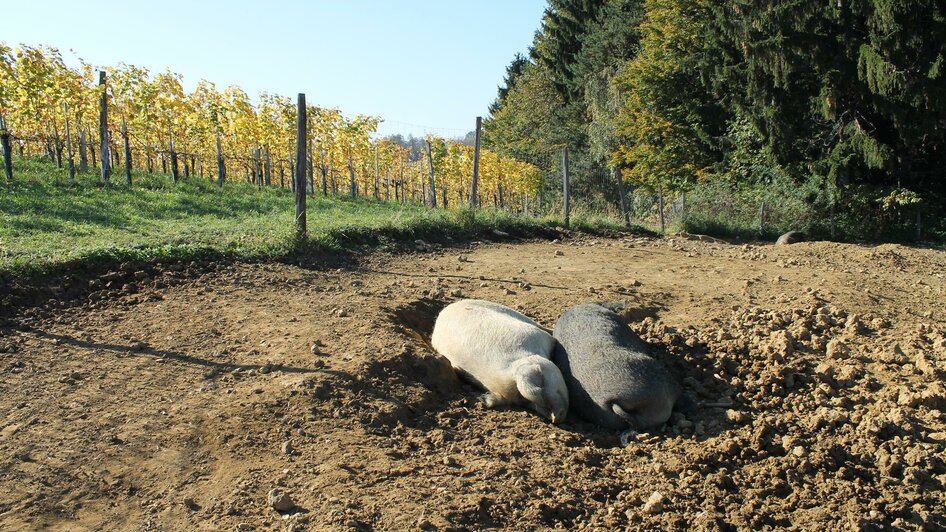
<point x="126" y="118"/>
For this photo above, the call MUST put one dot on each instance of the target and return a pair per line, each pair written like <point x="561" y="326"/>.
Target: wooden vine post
<point x="310" y="169"/>
<point x="300" y="168"/>
<point x="431" y="189"/>
<point x="221" y="167"/>
<point x="7" y="154"/>
<point x="103" y="129"/>
<point x="476" y="162"/>
<point x="83" y="151"/>
<point x="377" y="176"/>
<point x="174" y="173"/>
<point x="71" y="163"/>
<point x="258" y="175"/>
<point x="324" y="171"/>
<point x="127" y="151"/>
<point x="352" y="187"/>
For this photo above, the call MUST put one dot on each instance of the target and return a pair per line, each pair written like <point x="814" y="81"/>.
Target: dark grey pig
<point x="611" y="380"/>
<point x="791" y="237"/>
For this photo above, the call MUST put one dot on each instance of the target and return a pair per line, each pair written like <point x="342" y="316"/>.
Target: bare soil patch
<point x="180" y="403"/>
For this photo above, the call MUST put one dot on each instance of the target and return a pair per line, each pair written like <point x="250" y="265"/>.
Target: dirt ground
<point x="177" y="397"/>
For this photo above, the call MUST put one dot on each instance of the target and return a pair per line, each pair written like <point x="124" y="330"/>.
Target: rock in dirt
<point x="837" y="350"/>
<point x="655" y="503"/>
<point x="280" y="500"/>
<point x="287" y="447"/>
<point x="420" y="245"/>
<point x="925" y="365"/>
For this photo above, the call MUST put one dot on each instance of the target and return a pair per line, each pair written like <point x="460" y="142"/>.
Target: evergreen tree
<point x="513" y="71"/>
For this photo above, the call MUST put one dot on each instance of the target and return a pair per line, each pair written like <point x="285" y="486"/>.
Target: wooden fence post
<point x="258" y="169"/>
<point x="83" y="155"/>
<point x="660" y="203"/>
<point x="476" y="162"/>
<point x="57" y="147"/>
<point x="174" y="174"/>
<point x="377" y="176"/>
<point x="387" y="184"/>
<point x="619" y="178"/>
<point x="762" y="219"/>
<point x="430" y="170"/>
<point x="103" y="129"/>
<point x="352" y="187"/>
<point x="300" y="166"/>
<point x="127" y="151"/>
<point x="566" y="198"/>
<point x="324" y="170"/>
<point x="71" y="163"/>
<point x="310" y="168"/>
<point x="221" y="166"/>
<point x="399" y="196"/>
<point x="267" y="167"/>
<point x="92" y="148"/>
<point x="7" y="154"/>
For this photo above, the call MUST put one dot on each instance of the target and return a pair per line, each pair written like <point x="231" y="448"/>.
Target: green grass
<point x="47" y="224"/>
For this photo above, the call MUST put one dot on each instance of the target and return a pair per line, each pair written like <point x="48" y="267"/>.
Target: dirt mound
<point x="817" y="371"/>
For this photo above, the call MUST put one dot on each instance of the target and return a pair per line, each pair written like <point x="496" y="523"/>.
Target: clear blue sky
<point x="418" y="63"/>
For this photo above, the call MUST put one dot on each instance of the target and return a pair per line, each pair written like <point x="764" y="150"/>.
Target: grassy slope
<point x="45" y="223"/>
